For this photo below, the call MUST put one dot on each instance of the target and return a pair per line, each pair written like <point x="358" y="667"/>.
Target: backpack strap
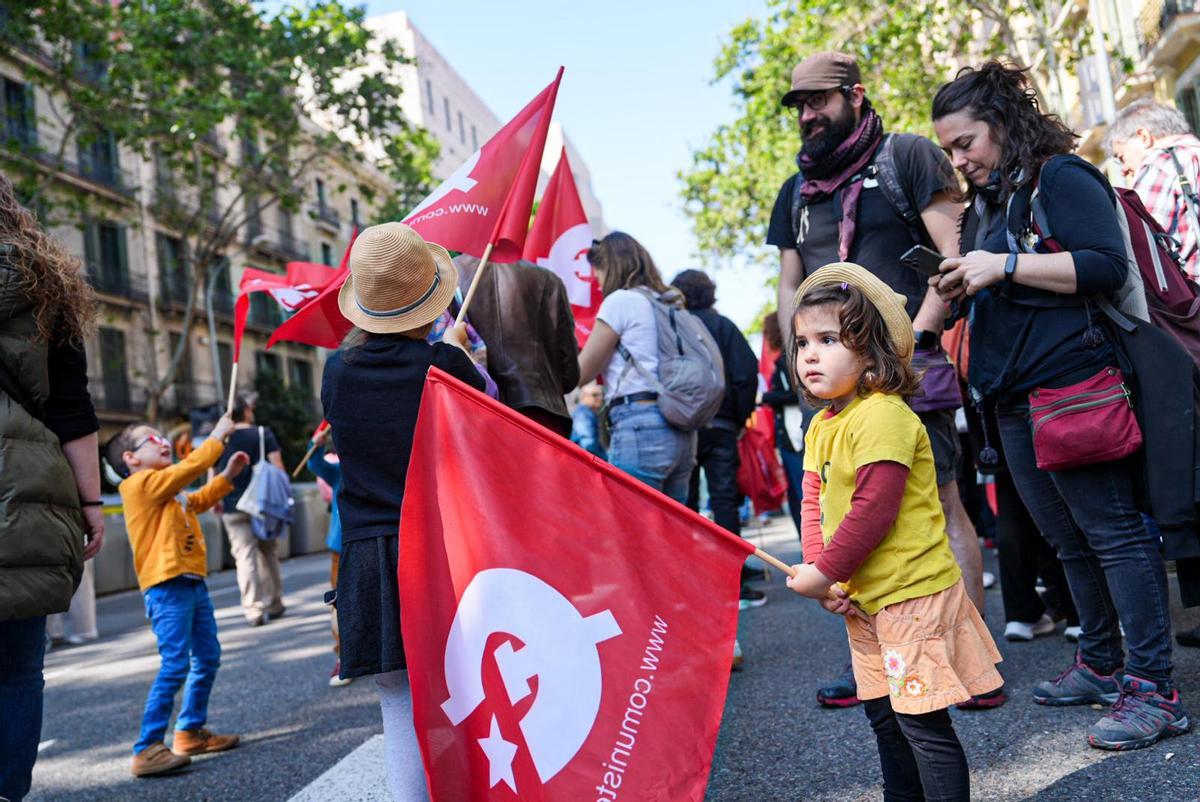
<point x="262" y="445"/>
<point x="1190" y="199"/>
<point x="630" y="359"/>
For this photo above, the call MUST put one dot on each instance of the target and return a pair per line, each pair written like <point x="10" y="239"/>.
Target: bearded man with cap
<point x="371" y="391"/>
<point x="866" y="196"/>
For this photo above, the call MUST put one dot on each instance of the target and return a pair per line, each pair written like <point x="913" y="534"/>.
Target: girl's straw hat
<point x="397" y="280"/>
<point x="890" y="304"/>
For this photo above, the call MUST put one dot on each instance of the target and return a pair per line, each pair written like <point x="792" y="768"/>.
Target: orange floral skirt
<point x="925" y="654"/>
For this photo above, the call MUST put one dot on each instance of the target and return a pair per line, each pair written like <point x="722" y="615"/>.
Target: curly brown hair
<point x="625" y="263"/>
<point x="863" y="332"/>
<point x="1000" y="94"/>
<point x="64" y="305"/>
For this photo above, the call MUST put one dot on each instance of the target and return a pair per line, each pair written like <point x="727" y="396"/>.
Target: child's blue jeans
<point x="181" y="616"/>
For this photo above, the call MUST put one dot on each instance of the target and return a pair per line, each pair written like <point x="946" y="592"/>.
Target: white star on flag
<point x="500" y="755"/>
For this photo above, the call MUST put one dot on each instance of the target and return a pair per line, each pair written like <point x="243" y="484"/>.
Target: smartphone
<point x="923" y="260"/>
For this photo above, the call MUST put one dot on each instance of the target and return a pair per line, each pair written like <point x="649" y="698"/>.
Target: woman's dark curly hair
<point x="863" y="332"/>
<point x="64" y="306"/>
<point x="1001" y="95"/>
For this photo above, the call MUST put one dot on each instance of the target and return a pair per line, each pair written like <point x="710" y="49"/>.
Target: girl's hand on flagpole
<point x="457" y="335"/>
<point x="808" y="581"/>
<point x="321" y="436"/>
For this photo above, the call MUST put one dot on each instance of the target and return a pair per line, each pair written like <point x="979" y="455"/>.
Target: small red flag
<point x="556" y="650"/>
<point x="560" y="239"/>
<point x="489" y="197"/>
<point x="303" y="282"/>
<point x="319" y="321"/>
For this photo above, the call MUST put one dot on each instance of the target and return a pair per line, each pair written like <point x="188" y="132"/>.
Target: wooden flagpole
<point x="483" y="263"/>
<point x="308" y="454"/>
<point x="232" y="388"/>
<point x="775" y="561"/>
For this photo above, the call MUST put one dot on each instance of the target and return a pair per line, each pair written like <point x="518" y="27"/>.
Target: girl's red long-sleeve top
<point x="874" y="507"/>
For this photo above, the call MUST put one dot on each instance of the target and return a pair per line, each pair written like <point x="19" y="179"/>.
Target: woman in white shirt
<point x="642" y="444"/>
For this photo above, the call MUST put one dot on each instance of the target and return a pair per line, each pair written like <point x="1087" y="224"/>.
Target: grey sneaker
<point x="1079" y="685"/>
<point x="1140" y="718"/>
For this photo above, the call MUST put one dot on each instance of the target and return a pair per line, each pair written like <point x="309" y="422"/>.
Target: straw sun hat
<point x="890" y="304"/>
<point x="397" y="280"/>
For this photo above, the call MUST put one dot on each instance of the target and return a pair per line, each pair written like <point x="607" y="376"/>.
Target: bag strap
<point x="262" y="445"/>
<point x="1190" y="199"/>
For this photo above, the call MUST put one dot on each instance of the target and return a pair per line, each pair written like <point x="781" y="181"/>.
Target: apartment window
<point x="462" y="129"/>
<point x="98" y="158"/>
<point x="321" y="194"/>
<point x="1188" y="101"/>
<point x="446" y="104"/>
<point x="474" y="139"/>
<point x="264" y="362"/>
<point x="185" y="396"/>
<point x="300" y="376"/>
<point x="172" y="269"/>
<point x="326" y="254"/>
<point x="20" y="118"/>
<point x="225" y="358"/>
<point x="354" y="211"/>
<point x="113" y="370"/>
<point x="107" y="257"/>
<point x="264" y="310"/>
<point x="223" y="290"/>
<point x="429" y="94"/>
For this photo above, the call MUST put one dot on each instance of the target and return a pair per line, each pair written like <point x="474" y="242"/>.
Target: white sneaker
<point x="989" y="579"/>
<point x="1020" y="631"/>
<point x="1072" y="634"/>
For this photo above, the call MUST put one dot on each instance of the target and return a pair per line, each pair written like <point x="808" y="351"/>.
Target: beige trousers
<point x="257" y="561"/>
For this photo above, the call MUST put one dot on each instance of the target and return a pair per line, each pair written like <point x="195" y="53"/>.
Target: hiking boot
<point x="985" y="701"/>
<point x="335" y="679"/>
<point x="1020" y="631"/>
<point x="1079" y="685"/>
<point x="841" y="692"/>
<point x="201" y="742"/>
<point x="157" y="759"/>
<point x="751" y="598"/>
<point x="1141" y="717"/>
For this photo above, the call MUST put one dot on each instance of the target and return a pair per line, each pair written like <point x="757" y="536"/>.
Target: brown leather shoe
<point x="201" y="742"/>
<point x="157" y="759"/>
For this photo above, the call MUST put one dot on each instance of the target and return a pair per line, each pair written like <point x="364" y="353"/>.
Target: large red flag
<point x="560" y="239"/>
<point x="568" y="629"/>
<point x="489" y="197"/>
<point x="303" y="282"/>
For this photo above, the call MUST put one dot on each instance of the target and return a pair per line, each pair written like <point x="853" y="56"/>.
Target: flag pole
<point x="775" y="561"/>
<point x="232" y="388"/>
<point x="483" y="263"/>
<point x="304" y="460"/>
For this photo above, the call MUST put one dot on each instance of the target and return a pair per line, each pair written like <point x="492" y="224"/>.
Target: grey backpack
<point x="691" y="374"/>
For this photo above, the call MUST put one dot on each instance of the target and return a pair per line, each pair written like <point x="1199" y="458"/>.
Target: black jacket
<point x="521" y="311"/>
<point x="371" y="395"/>
<point x="741" y="367"/>
<point x="1167" y="386"/>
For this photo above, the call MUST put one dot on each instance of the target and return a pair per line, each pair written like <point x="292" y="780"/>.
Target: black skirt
<point x="368" y="607"/>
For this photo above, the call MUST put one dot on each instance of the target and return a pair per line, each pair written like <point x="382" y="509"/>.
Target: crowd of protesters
<point x="896" y="386"/>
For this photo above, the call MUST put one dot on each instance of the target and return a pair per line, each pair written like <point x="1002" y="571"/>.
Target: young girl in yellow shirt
<point x="874" y="537"/>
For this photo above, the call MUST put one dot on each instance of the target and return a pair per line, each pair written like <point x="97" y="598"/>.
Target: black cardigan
<point x="371" y="395"/>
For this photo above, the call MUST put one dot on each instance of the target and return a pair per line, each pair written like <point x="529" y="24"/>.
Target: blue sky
<point x="636" y="99"/>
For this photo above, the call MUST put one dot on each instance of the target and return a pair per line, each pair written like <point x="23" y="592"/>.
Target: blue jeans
<point x="181" y="616"/>
<point x="22" y="652"/>
<point x="793" y="468"/>
<point x="648" y="448"/>
<point x="1113" y="564"/>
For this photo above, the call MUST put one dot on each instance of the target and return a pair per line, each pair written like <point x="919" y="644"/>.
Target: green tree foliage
<point x="161" y="78"/>
<point x="289" y="414"/>
<point x="905" y="51"/>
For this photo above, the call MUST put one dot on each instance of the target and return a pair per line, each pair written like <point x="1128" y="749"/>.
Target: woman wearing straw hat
<point x="398" y="286"/>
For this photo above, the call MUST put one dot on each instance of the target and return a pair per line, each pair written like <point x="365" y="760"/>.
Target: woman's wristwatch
<point x="1010" y="267"/>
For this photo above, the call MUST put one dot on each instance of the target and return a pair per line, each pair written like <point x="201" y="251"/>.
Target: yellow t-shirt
<point x="914" y="557"/>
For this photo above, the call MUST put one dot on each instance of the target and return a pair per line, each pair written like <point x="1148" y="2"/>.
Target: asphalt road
<point x="305" y="742"/>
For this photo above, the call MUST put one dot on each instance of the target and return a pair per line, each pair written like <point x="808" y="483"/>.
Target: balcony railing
<point x="1156" y="17"/>
<point x="276" y="242"/>
<point x="173" y="288"/>
<point x="109" y="280"/>
<point x="44" y="148"/>
<point x="222" y="302"/>
<point x="116" y="394"/>
<point x="327" y="216"/>
<point x="180" y="208"/>
<point x="187" y="395"/>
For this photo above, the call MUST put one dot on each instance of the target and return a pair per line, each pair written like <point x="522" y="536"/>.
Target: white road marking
<point x="360" y="776"/>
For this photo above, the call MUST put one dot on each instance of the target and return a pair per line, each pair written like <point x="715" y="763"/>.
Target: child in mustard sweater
<point x="170" y="559"/>
<point x="875" y="545"/>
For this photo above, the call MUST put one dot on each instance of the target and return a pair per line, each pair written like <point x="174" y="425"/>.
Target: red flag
<point x="556" y="649"/>
<point x="560" y="239"/>
<point x="303" y="282"/>
<point x="489" y="197"/>
<point x="319" y="321"/>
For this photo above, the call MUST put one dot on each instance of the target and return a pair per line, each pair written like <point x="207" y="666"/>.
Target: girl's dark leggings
<point x="921" y="757"/>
